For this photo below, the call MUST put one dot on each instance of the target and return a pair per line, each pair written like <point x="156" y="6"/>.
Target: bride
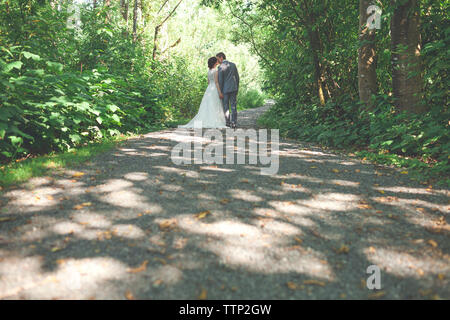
<point x="210" y="114"/>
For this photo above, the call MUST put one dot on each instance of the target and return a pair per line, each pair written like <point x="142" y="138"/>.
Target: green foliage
<point x="418" y="142"/>
<point x="61" y="88"/>
<point x="281" y="33"/>
<point x="249" y="99"/>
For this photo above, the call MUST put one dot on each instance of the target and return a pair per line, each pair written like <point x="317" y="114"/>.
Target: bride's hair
<point x="212" y="62"/>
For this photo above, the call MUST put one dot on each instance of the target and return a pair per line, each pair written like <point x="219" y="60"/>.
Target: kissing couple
<point x="219" y="97"/>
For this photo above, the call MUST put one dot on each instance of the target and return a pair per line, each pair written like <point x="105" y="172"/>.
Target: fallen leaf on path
<point x="157" y="282"/>
<point x="343" y="249"/>
<point x="314" y="282"/>
<point x="203" y="214"/>
<point x="141" y="268"/>
<point x="441" y="276"/>
<point x="78" y="174"/>
<point x="224" y="201"/>
<point x="129" y="295"/>
<point x="441" y="221"/>
<point x="432" y="243"/>
<point x="3" y="219"/>
<point x="377" y="295"/>
<point x="168" y="224"/>
<point x="335" y="170"/>
<point x="298" y="240"/>
<point x="292" y="285"/>
<point x="203" y="295"/>
<point x="404" y="172"/>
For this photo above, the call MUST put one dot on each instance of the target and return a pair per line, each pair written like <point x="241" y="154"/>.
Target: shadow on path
<point x="133" y="224"/>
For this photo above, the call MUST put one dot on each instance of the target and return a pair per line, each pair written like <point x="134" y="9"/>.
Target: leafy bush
<point x="420" y="142"/>
<point x="249" y="99"/>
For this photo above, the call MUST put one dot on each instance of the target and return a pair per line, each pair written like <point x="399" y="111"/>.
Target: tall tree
<point x="135" y="11"/>
<point x="314" y="40"/>
<point x="406" y="48"/>
<point x="367" y="56"/>
<point x="124" y="5"/>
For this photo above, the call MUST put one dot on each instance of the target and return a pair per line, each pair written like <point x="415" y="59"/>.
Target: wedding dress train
<point x="210" y="114"/>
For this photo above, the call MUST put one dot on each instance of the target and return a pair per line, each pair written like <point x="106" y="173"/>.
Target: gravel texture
<point x="132" y="224"/>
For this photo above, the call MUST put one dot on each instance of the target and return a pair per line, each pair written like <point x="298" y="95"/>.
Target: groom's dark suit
<point x="229" y="85"/>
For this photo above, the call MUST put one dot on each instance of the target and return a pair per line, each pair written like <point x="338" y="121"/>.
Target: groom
<point x="229" y="85"/>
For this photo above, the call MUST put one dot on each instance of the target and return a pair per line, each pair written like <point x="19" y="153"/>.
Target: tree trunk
<point x="314" y="39"/>
<point x="135" y="20"/>
<point x="124" y="5"/>
<point x="367" y="56"/>
<point x="406" y="45"/>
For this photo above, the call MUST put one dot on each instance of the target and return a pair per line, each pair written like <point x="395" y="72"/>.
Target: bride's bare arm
<point x="216" y="80"/>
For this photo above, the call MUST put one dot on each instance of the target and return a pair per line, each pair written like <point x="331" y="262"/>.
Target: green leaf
<point x="75" y="138"/>
<point x="113" y="108"/>
<point x="29" y="55"/>
<point x="15" y="140"/>
<point x="16" y="64"/>
<point x="55" y="66"/>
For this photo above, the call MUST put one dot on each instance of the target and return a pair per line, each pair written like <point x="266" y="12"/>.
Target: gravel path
<point x="132" y="224"/>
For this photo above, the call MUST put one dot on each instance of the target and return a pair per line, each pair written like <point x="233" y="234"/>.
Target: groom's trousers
<point x="230" y="102"/>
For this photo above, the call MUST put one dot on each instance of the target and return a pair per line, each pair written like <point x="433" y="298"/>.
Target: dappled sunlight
<point x="136" y="176"/>
<point x="404" y="264"/>
<point x="124" y="198"/>
<point x="344" y="183"/>
<point x="159" y="227"/>
<point x="91" y="219"/>
<point x="113" y="185"/>
<point x="245" y="195"/>
<point x="129" y="231"/>
<point x="256" y="250"/>
<point x="23" y="277"/>
<point x="67" y="227"/>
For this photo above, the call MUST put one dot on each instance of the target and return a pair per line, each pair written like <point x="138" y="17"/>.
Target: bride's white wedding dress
<point x="210" y="114"/>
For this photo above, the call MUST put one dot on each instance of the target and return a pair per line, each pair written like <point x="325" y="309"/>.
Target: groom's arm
<point x="238" y="78"/>
<point x="220" y="78"/>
